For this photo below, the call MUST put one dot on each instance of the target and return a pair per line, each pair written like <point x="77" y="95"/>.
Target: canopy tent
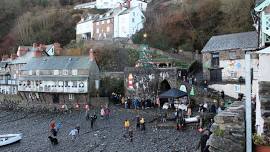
<point x="173" y="93"/>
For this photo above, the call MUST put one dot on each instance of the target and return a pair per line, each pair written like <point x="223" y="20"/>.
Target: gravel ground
<point x="107" y="135"/>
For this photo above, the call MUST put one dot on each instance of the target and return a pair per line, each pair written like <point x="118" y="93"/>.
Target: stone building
<point x="224" y="61"/>
<point x="150" y="82"/>
<point x="58" y="79"/>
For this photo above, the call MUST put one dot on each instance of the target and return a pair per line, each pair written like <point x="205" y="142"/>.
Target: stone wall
<point x="147" y="81"/>
<point x="264" y="94"/>
<point x="228" y="131"/>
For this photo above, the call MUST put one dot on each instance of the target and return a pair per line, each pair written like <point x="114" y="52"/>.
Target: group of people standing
<point x="140" y="125"/>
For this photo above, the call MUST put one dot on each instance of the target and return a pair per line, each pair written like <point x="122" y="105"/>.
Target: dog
<point x="53" y="140"/>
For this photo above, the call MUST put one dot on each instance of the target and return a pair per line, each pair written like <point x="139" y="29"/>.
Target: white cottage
<point x="85" y="28"/>
<point x="130" y="21"/>
<point x="105" y="4"/>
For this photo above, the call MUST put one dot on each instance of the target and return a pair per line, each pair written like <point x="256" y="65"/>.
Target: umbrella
<point x="192" y="92"/>
<point x="173" y="93"/>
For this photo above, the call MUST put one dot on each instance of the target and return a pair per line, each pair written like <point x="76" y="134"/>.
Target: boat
<point x="9" y="139"/>
<point x="192" y="119"/>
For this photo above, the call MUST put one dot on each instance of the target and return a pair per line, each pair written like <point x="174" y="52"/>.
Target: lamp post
<point x="248" y="103"/>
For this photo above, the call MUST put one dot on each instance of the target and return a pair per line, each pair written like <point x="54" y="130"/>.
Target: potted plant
<point x="262" y="143"/>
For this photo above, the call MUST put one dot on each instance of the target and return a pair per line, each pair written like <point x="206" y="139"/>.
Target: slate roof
<point x="244" y="41"/>
<point x="23" y="59"/>
<point x="258" y="2"/>
<point x="112" y="12"/>
<point x="3" y="64"/>
<point x="127" y="11"/>
<point x="61" y="63"/>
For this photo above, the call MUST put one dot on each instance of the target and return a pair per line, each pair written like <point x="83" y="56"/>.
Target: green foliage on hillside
<point x="190" y="24"/>
<point x="23" y="22"/>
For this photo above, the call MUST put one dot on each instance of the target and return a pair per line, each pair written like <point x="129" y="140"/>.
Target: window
<point x="233" y="74"/>
<point x="30" y="72"/>
<point x="97" y="30"/>
<point x="81" y="85"/>
<point x="60" y="84"/>
<point x="102" y="22"/>
<point x="108" y="21"/>
<point x="237" y="88"/>
<point x="37" y="96"/>
<point x="133" y="13"/>
<point x="65" y="72"/>
<point x="55" y="72"/>
<point x="66" y="83"/>
<point x="133" y="20"/>
<point x="37" y="72"/>
<point x="108" y="29"/>
<point x="74" y="84"/>
<point x="70" y="96"/>
<point x="232" y="55"/>
<point x="215" y="60"/>
<point x="75" y="72"/>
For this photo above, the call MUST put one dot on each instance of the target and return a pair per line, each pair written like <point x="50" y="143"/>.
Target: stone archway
<point x="164" y="86"/>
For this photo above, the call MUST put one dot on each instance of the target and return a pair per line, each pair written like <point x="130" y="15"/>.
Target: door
<point x="215" y="75"/>
<point x="55" y="98"/>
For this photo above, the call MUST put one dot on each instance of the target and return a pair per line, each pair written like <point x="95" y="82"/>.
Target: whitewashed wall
<point x="130" y="23"/>
<point x="264" y="67"/>
<point x="233" y="89"/>
<point x="104" y="4"/>
<point x="238" y="67"/>
<point x="85" y="27"/>
<point x="54" y="86"/>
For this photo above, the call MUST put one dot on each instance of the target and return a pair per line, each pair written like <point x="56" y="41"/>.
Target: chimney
<point x="128" y="4"/>
<point x="21" y="51"/>
<point x="91" y="55"/>
<point x="5" y="57"/>
<point x="37" y="53"/>
<point x="57" y="49"/>
<point x="120" y="6"/>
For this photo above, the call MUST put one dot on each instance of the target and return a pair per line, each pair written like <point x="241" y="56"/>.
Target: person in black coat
<point x="203" y="140"/>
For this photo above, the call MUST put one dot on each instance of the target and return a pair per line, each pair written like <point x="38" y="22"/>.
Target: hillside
<point x="170" y="23"/>
<point x="188" y="24"/>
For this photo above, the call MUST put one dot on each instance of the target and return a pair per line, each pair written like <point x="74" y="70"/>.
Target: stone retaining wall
<point x="17" y="102"/>
<point x="228" y="131"/>
<point x="264" y="93"/>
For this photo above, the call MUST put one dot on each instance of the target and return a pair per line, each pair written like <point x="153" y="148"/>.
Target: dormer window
<point x="55" y="72"/>
<point x="30" y="72"/>
<point x="65" y="72"/>
<point x="75" y="72"/>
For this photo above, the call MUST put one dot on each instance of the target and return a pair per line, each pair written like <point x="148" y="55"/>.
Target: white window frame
<point x="232" y="55"/>
<point x="75" y="72"/>
<point x="30" y="72"/>
<point x="55" y="72"/>
<point x="37" y="72"/>
<point x="65" y="72"/>
<point x="70" y="96"/>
